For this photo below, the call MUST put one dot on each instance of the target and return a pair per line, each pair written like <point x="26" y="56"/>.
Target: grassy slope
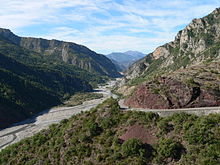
<point x="92" y="138"/>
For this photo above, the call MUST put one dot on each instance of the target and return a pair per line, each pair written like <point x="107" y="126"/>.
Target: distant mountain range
<point x="124" y="60"/>
<point x="36" y="74"/>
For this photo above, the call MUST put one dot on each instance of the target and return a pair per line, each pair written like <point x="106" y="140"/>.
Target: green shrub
<point x="94" y="128"/>
<point x="168" y="148"/>
<point x="132" y="147"/>
<point x="164" y="126"/>
<point x="203" y="130"/>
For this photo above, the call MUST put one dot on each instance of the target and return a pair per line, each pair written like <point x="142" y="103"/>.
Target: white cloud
<point x="105" y="44"/>
<point x="106" y="25"/>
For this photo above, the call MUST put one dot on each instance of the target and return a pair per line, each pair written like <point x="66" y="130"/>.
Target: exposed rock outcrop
<point x="196" y="43"/>
<point x="188" y="88"/>
<point x="146" y="136"/>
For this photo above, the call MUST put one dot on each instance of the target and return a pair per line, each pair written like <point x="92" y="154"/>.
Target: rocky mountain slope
<point x="31" y="82"/>
<point x="194" y="46"/>
<point x="107" y="135"/>
<point x="195" y="86"/>
<point x="197" y="43"/>
<point x="124" y="60"/>
<point x="68" y="52"/>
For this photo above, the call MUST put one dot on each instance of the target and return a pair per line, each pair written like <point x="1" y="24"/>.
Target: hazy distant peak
<point x="125" y="59"/>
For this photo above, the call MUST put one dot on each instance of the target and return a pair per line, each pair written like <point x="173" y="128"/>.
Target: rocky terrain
<point x="158" y="80"/>
<point x="198" y="42"/>
<point x="196" y="86"/>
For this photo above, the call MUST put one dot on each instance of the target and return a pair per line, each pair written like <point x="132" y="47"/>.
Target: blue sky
<point x="104" y="26"/>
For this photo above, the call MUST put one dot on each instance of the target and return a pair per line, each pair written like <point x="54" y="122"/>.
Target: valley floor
<point x="41" y="121"/>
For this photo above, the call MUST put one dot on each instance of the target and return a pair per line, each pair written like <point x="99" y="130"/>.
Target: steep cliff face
<point x="158" y="77"/>
<point x="198" y="42"/>
<point x="68" y="52"/>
